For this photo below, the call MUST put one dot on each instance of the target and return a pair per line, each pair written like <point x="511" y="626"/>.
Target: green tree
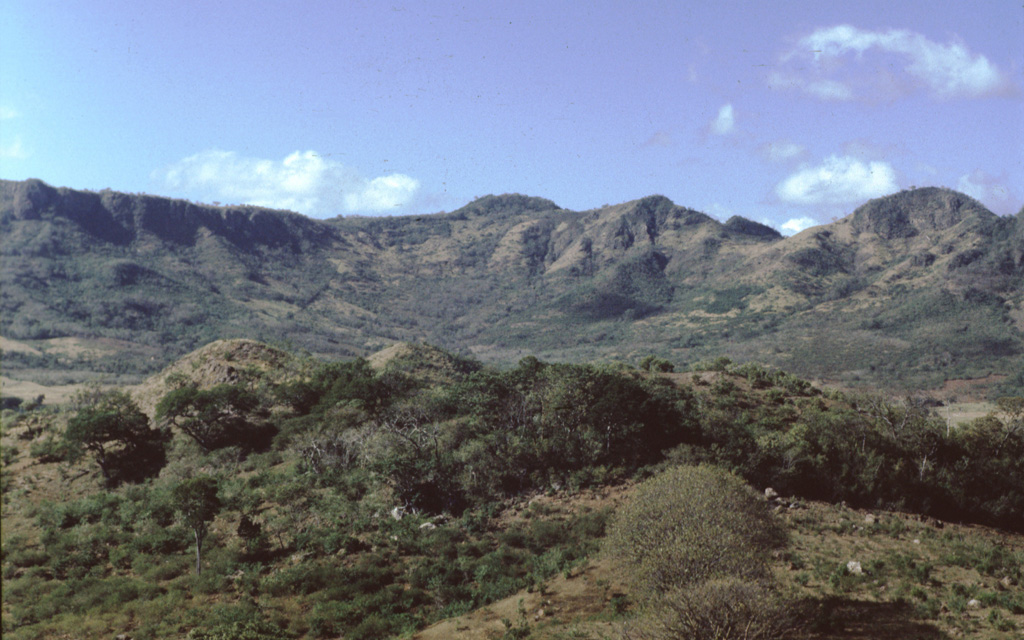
<point x="217" y="417"/>
<point x="656" y="364"/>
<point x="1012" y="410"/>
<point x="197" y="503"/>
<point x="118" y="435"/>
<point x="592" y="416"/>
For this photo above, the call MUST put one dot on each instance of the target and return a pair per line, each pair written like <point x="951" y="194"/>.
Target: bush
<point x="692" y="524"/>
<point x="721" y="609"/>
<point x="656" y="364"/>
<point x="251" y="630"/>
<point x="50" y="450"/>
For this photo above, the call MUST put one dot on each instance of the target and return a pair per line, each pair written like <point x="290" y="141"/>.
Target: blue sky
<point x="786" y="113"/>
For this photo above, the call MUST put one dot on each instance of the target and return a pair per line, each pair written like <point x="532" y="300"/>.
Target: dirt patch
<point x="968" y="389"/>
<point x="75" y="347"/>
<point x="959" y="413"/>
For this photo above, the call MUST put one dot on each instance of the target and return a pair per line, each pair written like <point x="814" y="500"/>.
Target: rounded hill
<point x="908" y="213"/>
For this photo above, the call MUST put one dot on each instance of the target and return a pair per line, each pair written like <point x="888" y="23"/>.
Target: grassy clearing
<point x="53" y="394"/>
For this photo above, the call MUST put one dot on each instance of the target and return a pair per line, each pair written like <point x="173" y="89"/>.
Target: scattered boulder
<point x="770" y="494"/>
<point x="428" y="526"/>
<point x="974" y="603"/>
<point x="854" y="567"/>
<point x="870" y="519"/>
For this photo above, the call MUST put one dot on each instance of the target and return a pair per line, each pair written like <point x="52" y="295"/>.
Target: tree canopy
<point x="118" y="435"/>
<point x="218" y="417"/>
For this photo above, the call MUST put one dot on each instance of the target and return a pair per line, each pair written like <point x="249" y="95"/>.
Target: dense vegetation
<point x="366" y="501"/>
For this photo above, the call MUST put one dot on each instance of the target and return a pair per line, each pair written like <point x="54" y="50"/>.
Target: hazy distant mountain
<point x="911" y="289"/>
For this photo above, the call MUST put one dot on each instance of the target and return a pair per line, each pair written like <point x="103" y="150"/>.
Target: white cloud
<point x="14" y="151"/>
<point x="992" y="191"/>
<point x="725" y="122"/>
<point x="385" y="193"/>
<point x="836" y="63"/>
<point x="838" y="180"/>
<point x="303" y="181"/>
<point x="783" y="150"/>
<point x="796" y="225"/>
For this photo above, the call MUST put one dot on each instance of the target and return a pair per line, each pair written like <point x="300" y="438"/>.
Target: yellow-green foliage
<point x="692" y="524"/>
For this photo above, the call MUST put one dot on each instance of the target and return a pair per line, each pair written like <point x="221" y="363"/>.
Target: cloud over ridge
<point x="796" y="225"/>
<point x="838" y="63"/>
<point x="303" y="181"/>
<point x="838" y="180"/>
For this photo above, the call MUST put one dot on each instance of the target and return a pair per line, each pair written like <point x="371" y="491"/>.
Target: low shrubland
<point x="370" y="502"/>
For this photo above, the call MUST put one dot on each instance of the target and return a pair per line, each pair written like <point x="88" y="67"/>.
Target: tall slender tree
<point x="197" y="502"/>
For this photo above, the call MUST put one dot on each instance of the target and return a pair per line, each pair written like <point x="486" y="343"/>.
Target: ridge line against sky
<point x="790" y="114"/>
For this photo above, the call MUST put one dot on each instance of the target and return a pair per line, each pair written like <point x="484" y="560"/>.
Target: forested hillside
<point x="909" y="290"/>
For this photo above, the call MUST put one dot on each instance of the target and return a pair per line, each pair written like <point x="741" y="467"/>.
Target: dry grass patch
<point x="54" y="394"/>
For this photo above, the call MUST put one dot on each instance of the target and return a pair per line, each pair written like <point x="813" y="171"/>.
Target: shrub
<point x="718" y="364"/>
<point x="692" y="524"/>
<point x="656" y="364"/>
<point x="722" y="609"/>
<point x="50" y="450"/>
<point x="251" y="630"/>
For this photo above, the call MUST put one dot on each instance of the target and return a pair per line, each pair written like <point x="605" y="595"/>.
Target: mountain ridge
<point x="510" y="275"/>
